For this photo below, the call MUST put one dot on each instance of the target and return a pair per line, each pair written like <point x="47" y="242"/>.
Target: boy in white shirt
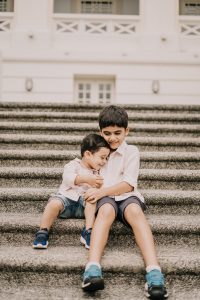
<point x="78" y="176"/>
<point x="119" y="198"/>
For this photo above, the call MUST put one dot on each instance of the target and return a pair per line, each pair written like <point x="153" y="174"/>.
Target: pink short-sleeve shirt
<point x="123" y="165"/>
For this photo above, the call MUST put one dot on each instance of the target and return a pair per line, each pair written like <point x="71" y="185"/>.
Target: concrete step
<point x="157" y="117"/>
<point x="61" y="142"/>
<point x="57" y="158"/>
<point x="174" y="260"/>
<point x="19" y="228"/>
<point x="148" y="178"/>
<point x="33" y="200"/>
<point x="75" y="128"/>
<point x="66" y="107"/>
<point x="36" y="274"/>
<point x="27" y="285"/>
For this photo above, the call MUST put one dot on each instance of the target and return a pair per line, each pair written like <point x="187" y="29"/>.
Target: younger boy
<point x="78" y="176"/>
<point x="119" y="198"/>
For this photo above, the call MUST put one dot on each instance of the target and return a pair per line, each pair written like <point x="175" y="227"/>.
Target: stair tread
<point x="160" y="223"/>
<point x="35" y="104"/>
<point x="151" y="195"/>
<point x="38" y="138"/>
<point x="93" y="126"/>
<point x="78" y="139"/>
<point x="70" y="154"/>
<point x="94" y="115"/>
<point x="173" y="259"/>
<point x="168" y="174"/>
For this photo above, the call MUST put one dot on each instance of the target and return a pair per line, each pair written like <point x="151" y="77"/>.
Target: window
<point x="6" y="5"/>
<point x="97" y="7"/>
<point x="189" y="7"/>
<point x="116" y="7"/>
<point x="94" y="91"/>
<point x="84" y="92"/>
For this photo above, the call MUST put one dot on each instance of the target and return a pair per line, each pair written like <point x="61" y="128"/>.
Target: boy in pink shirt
<point x="119" y="198"/>
<point x="68" y="202"/>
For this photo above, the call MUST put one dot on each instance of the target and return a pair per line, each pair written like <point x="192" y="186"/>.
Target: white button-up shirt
<point x="67" y="187"/>
<point x="123" y="165"/>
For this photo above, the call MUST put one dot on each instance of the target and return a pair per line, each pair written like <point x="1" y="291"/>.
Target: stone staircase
<point x="36" y="141"/>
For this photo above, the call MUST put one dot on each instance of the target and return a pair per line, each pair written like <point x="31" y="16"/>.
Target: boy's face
<point x="98" y="159"/>
<point x="114" y="135"/>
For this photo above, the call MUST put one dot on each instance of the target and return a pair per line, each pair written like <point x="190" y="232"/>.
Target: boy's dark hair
<point x="93" y="142"/>
<point x="113" y="116"/>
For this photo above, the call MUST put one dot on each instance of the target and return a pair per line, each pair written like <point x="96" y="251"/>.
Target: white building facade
<point x="117" y="51"/>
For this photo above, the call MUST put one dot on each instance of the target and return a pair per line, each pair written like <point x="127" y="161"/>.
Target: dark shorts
<point x="71" y="209"/>
<point x="119" y="206"/>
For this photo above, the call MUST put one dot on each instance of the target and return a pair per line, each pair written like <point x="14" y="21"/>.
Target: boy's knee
<point x="55" y="203"/>
<point x="107" y="211"/>
<point x="90" y="205"/>
<point x="134" y="210"/>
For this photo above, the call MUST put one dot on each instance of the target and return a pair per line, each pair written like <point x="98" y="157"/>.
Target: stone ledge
<point x="69" y="259"/>
<point x="71" y="154"/>
<point x="61" y="105"/>
<point x="145" y="174"/>
<point x="133" y="116"/>
<point x="76" y="140"/>
<point x="68" y="126"/>
<point x="163" y="197"/>
<point x="168" y="224"/>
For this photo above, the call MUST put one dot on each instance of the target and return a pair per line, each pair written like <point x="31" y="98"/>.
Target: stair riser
<point x="67" y="146"/>
<point x="67" y="285"/>
<point x="74" y="119"/>
<point x="118" y="242"/>
<point x="28" y="206"/>
<point x="53" y="183"/>
<point x="72" y="131"/>
<point x="60" y="163"/>
<point x="63" y="107"/>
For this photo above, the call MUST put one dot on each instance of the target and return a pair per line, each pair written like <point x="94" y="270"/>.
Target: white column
<point x="0" y="75"/>
<point x="159" y="24"/>
<point x="32" y="14"/>
<point x="32" y="24"/>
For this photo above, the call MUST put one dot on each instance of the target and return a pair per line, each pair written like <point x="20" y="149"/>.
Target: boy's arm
<point x="93" y="195"/>
<point x="129" y="180"/>
<point x="71" y="177"/>
<point x="92" y="180"/>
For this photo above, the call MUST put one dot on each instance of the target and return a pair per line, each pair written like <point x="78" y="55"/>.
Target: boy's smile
<point x="96" y="160"/>
<point x="114" y="135"/>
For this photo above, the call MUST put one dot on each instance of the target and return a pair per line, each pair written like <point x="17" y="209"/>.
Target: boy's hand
<point x="93" y="195"/>
<point x="95" y="181"/>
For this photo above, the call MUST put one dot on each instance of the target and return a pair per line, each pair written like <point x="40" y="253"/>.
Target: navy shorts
<point x="71" y="209"/>
<point x="119" y="206"/>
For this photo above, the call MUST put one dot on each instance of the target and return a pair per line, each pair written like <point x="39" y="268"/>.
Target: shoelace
<point x="155" y="277"/>
<point x="41" y="236"/>
<point x="93" y="271"/>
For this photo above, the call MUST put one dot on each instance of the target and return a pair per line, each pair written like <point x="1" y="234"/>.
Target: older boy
<point x="119" y="198"/>
<point x="78" y="176"/>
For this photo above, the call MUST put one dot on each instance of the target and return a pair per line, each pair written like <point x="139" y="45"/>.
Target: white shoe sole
<point x="148" y="295"/>
<point x="83" y="242"/>
<point x="40" y="246"/>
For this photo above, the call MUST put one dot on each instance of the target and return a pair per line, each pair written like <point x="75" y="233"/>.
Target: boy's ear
<point x="127" y="131"/>
<point x="100" y="132"/>
<point x="87" y="153"/>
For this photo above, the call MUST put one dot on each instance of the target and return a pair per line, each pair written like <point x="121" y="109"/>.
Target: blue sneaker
<point x="155" y="285"/>
<point x="85" y="237"/>
<point x="92" y="279"/>
<point x="41" y="239"/>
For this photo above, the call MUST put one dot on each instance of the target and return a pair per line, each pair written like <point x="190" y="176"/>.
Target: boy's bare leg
<point x="100" y="231"/>
<point x="143" y="235"/>
<point x="90" y="209"/>
<point x="51" y="212"/>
